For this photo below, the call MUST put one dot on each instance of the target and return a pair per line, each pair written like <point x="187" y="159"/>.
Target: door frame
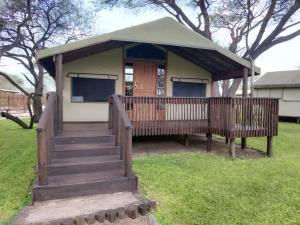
<point x="124" y="61"/>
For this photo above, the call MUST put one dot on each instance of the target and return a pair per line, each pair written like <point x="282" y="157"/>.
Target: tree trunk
<point x="225" y="88"/>
<point x="16" y="120"/>
<point x="37" y="98"/>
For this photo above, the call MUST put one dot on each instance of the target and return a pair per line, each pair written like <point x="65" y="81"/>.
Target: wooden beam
<point x="269" y="146"/>
<point x="59" y="92"/>
<point x="218" y="58"/>
<point x="229" y="74"/>
<point x="91" y="50"/>
<point x="232" y="148"/>
<point x="186" y="140"/>
<point x="209" y="142"/>
<point x="245" y="94"/>
<point x="245" y="82"/>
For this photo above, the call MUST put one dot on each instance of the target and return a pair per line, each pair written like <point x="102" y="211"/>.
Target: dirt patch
<point x="197" y="143"/>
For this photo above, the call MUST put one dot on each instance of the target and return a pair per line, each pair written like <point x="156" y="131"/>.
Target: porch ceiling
<point x="218" y="65"/>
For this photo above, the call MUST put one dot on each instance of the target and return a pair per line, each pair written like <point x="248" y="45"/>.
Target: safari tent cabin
<point x="284" y="85"/>
<point x="152" y="79"/>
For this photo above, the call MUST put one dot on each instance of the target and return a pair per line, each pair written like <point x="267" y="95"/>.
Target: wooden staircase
<point x="84" y="160"/>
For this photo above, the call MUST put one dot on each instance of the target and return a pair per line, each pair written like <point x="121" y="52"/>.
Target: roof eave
<point x="276" y="86"/>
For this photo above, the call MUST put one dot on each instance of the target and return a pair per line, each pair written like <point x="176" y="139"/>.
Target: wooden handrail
<point x="45" y="132"/>
<point x="122" y="129"/>
<point x="122" y="111"/>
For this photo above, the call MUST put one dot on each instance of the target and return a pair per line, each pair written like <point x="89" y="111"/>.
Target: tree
<point x="30" y="26"/>
<point x="254" y="26"/>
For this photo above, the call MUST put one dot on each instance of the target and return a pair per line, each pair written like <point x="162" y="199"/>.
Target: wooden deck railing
<point x="122" y="128"/>
<point x="45" y="131"/>
<point x="228" y="117"/>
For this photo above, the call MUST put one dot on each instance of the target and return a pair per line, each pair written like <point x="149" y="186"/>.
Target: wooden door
<point x="144" y="79"/>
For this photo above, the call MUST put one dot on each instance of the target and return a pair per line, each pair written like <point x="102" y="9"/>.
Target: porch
<point x="227" y="117"/>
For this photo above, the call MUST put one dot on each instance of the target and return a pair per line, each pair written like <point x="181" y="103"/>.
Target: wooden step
<point x="53" y="191"/>
<point x="103" y="139"/>
<point x="81" y="150"/>
<point x="87" y="132"/>
<point x="84" y="167"/>
<point x="84" y="160"/>
<point x="84" y="177"/>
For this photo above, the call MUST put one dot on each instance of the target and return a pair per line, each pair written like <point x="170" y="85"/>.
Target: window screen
<point x="187" y="89"/>
<point x="146" y="52"/>
<point x="91" y="90"/>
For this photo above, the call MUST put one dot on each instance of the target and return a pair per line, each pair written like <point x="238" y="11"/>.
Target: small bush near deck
<point x="199" y="188"/>
<point x="17" y="166"/>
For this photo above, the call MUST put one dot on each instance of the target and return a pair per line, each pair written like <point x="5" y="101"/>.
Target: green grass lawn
<point x="17" y="166"/>
<point x="190" y="188"/>
<point x="199" y="188"/>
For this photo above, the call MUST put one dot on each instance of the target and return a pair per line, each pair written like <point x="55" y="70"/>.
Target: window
<point x="91" y="89"/>
<point x="146" y="52"/>
<point x="129" y="79"/>
<point x="160" y="86"/>
<point x="188" y="89"/>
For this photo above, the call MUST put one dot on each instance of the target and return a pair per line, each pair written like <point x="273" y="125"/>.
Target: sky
<point x="284" y="56"/>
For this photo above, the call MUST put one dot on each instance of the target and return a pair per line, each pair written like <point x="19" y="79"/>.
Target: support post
<point x="117" y="122"/>
<point x="59" y="92"/>
<point x="110" y="113"/>
<point x="42" y="157"/>
<point x="269" y="146"/>
<point x="186" y="140"/>
<point x="232" y="148"/>
<point x="209" y="142"/>
<point x="128" y="152"/>
<point x="245" y="94"/>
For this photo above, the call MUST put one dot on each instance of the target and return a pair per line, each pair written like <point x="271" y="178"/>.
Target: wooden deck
<point x="168" y="127"/>
<point x="228" y="117"/>
<point x="78" y="159"/>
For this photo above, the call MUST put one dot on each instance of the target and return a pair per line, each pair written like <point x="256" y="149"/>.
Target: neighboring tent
<point x="284" y="85"/>
<point x="289" y="78"/>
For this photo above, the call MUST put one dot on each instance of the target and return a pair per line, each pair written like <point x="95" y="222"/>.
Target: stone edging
<point x="132" y="211"/>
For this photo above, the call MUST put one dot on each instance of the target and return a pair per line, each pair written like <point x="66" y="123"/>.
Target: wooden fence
<point x="13" y="102"/>
<point x="228" y="117"/>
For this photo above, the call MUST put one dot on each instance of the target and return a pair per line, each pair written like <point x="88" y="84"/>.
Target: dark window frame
<point x="164" y="59"/>
<point x="187" y="83"/>
<point x="97" y="102"/>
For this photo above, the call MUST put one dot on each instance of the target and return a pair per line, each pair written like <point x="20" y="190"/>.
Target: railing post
<point x="208" y="132"/>
<point x="245" y="94"/>
<point x="128" y="151"/>
<point x="269" y="146"/>
<point x="59" y="92"/>
<point x="42" y="157"/>
<point x="117" y="124"/>
<point x="110" y="113"/>
<point x="232" y="148"/>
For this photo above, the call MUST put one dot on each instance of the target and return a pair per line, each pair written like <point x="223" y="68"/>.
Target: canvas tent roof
<point x="166" y="32"/>
<point x="289" y="78"/>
